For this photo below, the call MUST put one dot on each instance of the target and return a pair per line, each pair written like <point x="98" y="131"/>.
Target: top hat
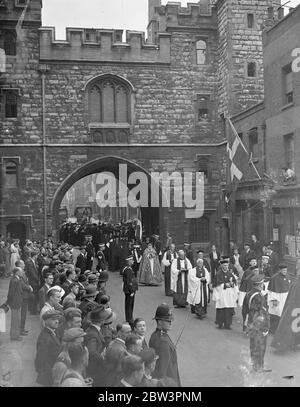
<point x="164" y="313"/>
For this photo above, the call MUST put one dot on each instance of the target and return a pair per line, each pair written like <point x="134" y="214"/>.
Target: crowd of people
<point x="83" y="342"/>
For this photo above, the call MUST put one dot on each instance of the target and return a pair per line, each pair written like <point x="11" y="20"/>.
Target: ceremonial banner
<point x="287" y="335"/>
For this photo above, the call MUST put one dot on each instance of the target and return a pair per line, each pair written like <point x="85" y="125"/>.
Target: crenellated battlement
<point x="102" y="45"/>
<point x="203" y="7"/>
<point x="201" y="15"/>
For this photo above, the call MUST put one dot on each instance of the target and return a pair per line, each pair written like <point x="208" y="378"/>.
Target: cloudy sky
<point x="122" y="14"/>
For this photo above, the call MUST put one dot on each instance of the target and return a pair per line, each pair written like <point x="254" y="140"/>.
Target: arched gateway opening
<point x="150" y="217"/>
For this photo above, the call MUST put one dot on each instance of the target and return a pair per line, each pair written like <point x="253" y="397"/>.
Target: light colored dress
<point x="14" y="256"/>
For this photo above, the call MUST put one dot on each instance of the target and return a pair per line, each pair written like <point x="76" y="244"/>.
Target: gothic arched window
<point x="109" y="101"/>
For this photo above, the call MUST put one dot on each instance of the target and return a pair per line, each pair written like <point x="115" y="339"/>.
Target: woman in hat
<point x="14" y="253"/>
<point x="150" y="270"/>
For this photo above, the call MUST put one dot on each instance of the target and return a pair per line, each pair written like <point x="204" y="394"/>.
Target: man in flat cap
<point x="88" y="303"/>
<point x="130" y="286"/>
<point x="63" y="362"/>
<point x="257" y="319"/>
<point x="47" y="348"/>
<point x="166" y="365"/>
<point x="278" y="289"/>
<point x="95" y="343"/>
<point x="72" y="319"/>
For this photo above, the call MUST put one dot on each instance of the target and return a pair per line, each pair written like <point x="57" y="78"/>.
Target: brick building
<point x="84" y="105"/>
<point x="270" y="207"/>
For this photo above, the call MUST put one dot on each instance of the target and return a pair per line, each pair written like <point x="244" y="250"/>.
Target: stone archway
<point x="150" y="216"/>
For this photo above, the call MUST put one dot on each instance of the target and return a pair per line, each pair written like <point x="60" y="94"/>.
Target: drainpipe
<point x="43" y="69"/>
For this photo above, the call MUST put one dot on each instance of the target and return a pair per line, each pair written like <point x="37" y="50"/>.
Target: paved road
<point x="207" y="356"/>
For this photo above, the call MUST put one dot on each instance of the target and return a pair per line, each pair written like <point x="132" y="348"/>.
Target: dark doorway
<point x="17" y="230"/>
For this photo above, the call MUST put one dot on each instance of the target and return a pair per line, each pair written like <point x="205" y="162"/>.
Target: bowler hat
<point x="164" y="313"/>
<point x="102" y="313"/>
<point x="90" y="291"/>
<point x="258" y="279"/>
<point x="73" y="333"/>
<point x="148" y="355"/>
<point x="103" y="276"/>
<point x="51" y="313"/>
<point x="224" y="261"/>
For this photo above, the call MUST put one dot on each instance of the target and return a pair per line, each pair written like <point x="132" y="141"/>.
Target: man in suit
<point x="42" y="293"/>
<point x="115" y="353"/>
<point x="188" y="252"/>
<point x="273" y="259"/>
<point x="26" y="290"/>
<point x="31" y="271"/>
<point x="71" y="278"/>
<point x="166" y="365"/>
<point x="95" y="343"/>
<point x="47" y="348"/>
<point x="14" y="301"/>
<point x="214" y="257"/>
<point x="247" y="255"/>
<point x="90" y="253"/>
<point x="81" y="261"/>
<point x="130" y="286"/>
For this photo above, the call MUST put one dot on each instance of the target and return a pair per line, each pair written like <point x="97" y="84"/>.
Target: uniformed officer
<point x="166" y="365"/>
<point x="258" y="324"/>
<point x="130" y="286"/>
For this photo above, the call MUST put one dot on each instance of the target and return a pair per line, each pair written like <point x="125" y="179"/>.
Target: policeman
<point x="130" y="286"/>
<point x="166" y="365"/>
<point x="258" y="323"/>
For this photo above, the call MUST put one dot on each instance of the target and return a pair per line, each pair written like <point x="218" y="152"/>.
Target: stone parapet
<point x="104" y="48"/>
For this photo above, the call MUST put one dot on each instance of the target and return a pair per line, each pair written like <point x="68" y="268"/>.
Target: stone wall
<point x="239" y="45"/>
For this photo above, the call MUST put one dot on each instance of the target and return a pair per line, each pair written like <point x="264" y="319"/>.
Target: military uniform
<point x="130" y="286"/>
<point x="258" y="324"/>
